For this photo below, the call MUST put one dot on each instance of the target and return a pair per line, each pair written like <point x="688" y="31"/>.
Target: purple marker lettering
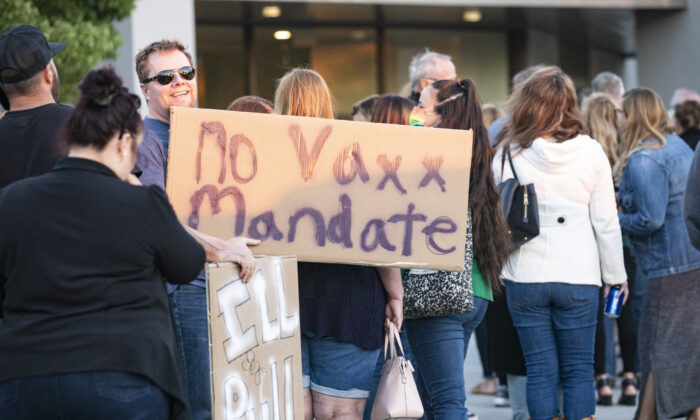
<point x="432" y="167"/>
<point x="233" y="154"/>
<point x="217" y="129"/>
<point x="408" y="218"/>
<point x="379" y="237"/>
<point x="390" y="169"/>
<point x="357" y="166"/>
<point x="307" y="161"/>
<point x="319" y="225"/>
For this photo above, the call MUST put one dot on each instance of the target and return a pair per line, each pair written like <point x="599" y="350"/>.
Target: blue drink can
<point x="613" y="303"/>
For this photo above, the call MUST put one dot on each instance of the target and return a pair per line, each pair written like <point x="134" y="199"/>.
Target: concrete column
<point x="667" y="53"/>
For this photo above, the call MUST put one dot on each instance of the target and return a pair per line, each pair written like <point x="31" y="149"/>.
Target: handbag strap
<point x="392" y="336"/>
<point x="512" y="168"/>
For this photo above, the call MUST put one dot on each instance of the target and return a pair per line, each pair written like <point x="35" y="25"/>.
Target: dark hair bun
<point x="100" y="86"/>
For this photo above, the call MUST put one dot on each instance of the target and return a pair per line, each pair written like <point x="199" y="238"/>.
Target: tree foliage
<point x="85" y="26"/>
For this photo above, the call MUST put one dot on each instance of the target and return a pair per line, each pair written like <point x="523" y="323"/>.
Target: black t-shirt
<point x="28" y="141"/>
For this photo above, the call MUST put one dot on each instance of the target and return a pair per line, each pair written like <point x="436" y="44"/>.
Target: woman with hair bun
<point x="86" y="327"/>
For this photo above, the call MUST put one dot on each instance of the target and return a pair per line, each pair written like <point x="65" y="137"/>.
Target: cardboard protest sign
<point x="323" y="190"/>
<point x="255" y="341"/>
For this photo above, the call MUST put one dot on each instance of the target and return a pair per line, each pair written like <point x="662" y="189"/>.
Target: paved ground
<point x="483" y="405"/>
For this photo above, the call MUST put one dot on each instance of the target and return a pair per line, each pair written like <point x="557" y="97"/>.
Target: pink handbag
<point x="397" y="396"/>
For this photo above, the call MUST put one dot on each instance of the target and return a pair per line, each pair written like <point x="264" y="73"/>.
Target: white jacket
<point x="580" y="238"/>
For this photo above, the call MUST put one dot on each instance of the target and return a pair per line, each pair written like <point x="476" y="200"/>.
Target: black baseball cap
<point x="24" y="52"/>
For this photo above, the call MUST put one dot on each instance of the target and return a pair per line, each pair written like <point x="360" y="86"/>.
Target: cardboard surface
<point x="323" y="190"/>
<point x="255" y="341"/>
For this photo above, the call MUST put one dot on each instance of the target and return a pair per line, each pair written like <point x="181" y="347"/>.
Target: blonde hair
<point x="646" y="119"/>
<point x="544" y="105"/>
<point x="303" y="92"/>
<point x="600" y="115"/>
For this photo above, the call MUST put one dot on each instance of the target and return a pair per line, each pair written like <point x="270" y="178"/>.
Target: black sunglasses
<point x="166" y="77"/>
<point x="136" y="104"/>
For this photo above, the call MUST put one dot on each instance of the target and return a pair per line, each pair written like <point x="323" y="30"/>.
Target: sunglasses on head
<point x="166" y="77"/>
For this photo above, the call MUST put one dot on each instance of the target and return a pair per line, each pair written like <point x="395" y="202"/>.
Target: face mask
<point x="417" y="117"/>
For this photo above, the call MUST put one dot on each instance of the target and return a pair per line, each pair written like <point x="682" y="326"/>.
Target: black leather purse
<point x="519" y="204"/>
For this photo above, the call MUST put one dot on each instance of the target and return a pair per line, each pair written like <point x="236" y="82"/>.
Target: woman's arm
<point x="603" y="215"/>
<point x="391" y="280"/>
<point x="234" y="250"/>
<point x="177" y="255"/>
<point x="649" y="182"/>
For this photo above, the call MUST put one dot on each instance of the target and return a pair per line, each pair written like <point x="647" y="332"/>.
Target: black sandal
<point x="603" y="399"/>
<point x="628" y="399"/>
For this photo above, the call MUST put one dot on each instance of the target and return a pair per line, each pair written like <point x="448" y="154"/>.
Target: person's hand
<point x="394" y="313"/>
<point x="623" y="289"/>
<point x="236" y="250"/>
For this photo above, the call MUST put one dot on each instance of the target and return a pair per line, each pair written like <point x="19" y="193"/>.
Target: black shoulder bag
<point x="519" y="204"/>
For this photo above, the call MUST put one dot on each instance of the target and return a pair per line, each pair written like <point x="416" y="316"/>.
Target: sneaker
<point x="472" y="416"/>
<point x="502" y="398"/>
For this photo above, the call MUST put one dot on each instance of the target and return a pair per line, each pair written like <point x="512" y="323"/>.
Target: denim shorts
<point x="335" y="368"/>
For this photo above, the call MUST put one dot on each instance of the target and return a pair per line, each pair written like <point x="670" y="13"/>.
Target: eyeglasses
<point x="166" y="77"/>
<point x="136" y="104"/>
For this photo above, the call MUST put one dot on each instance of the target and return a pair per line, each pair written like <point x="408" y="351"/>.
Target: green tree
<point x="85" y="26"/>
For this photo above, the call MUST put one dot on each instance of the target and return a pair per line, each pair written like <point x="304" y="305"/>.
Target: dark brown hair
<point x="688" y="115"/>
<point x="162" y="45"/>
<point x="252" y="104"/>
<point x="459" y="108"/>
<point x="105" y="108"/>
<point x="392" y="109"/>
<point x="365" y="107"/>
<point x="542" y="106"/>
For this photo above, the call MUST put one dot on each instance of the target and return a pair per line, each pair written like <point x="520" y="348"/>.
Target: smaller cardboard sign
<point x="255" y="341"/>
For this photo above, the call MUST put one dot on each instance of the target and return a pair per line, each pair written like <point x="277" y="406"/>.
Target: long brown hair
<point x="646" y="119"/>
<point x="459" y="108"/>
<point x="544" y="105"/>
<point x="303" y="92"/>
<point x="600" y="114"/>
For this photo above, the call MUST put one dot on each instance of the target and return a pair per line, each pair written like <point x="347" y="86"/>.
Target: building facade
<point x="362" y="47"/>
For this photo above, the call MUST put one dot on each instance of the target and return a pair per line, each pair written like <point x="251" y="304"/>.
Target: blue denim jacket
<point x="651" y="197"/>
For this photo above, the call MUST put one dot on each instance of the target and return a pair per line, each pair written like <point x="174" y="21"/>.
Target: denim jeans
<point x="517" y="391"/>
<point x="556" y="325"/>
<point x="87" y="395"/>
<point x="189" y="305"/>
<point x="439" y="346"/>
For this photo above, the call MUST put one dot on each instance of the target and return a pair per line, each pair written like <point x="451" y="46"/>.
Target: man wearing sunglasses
<point x="167" y="77"/>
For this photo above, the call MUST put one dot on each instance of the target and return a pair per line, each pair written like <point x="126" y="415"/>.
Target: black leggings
<point x="626" y="327"/>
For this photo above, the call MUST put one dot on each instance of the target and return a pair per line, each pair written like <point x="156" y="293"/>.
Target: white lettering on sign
<point x="230" y="297"/>
<point x="289" y="322"/>
<point x="288" y="389"/>
<point x="256" y="352"/>
<point x="236" y="396"/>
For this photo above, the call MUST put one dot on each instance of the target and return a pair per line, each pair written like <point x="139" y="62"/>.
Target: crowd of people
<point x="103" y="298"/>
